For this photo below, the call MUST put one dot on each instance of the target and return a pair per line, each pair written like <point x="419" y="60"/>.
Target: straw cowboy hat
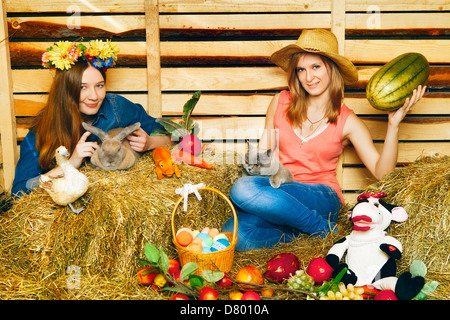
<point x="319" y="41"/>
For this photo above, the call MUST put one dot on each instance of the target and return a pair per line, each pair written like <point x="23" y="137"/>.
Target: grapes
<point x="332" y="290"/>
<point x="348" y="292"/>
<point x="301" y="281"/>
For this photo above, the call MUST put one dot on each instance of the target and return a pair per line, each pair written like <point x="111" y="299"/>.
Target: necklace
<point x="311" y="127"/>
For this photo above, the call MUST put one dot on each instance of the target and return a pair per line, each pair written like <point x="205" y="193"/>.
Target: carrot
<point x="189" y="158"/>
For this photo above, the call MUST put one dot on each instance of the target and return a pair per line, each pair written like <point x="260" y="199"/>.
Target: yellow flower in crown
<point x="63" y="54"/>
<point x="102" y="54"/>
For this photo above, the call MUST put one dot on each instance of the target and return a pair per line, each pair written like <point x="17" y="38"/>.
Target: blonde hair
<point x="296" y="113"/>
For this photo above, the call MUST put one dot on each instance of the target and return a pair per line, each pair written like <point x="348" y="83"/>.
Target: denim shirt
<point x="115" y="112"/>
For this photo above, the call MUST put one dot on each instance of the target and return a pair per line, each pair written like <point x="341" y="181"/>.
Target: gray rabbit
<point x="263" y="163"/>
<point x="115" y="152"/>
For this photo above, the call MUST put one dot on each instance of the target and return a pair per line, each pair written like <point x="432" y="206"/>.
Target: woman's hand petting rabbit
<point x="139" y="140"/>
<point x="84" y="149"/>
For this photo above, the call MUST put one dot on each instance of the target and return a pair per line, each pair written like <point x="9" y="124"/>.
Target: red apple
<point x="208" y="293"/>
<point x="146" y="275"/>
<point x="225" y="282"/>
<point x="191" y="144"/>
<point x="174" y="266"/>
<point x="281" y="266"/>
<point x="179" y="296"/>
<point x="250" y="295"/>
<point x="319" y="270"/>
<point x="386" y="295"/>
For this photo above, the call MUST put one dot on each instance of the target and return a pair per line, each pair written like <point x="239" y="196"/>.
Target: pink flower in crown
<point x="73" y="53"/>
<point x="45" y="58"/>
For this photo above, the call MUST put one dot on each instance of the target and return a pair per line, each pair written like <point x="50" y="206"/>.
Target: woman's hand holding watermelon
<point x="395" y="117"/>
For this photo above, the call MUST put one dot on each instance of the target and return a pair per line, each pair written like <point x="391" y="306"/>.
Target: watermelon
<point x="389" y="87"/>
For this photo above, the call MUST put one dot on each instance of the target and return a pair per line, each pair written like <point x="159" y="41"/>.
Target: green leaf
<point x="340" y="275"/>
<point x="145" y="262"/>
<point x="177" y="135"/>
<point x="151" y="253"/>
<point x="172" y="126"/>
<point x="331" y="285"/>
<point x="159" y="132"/>
<point x="148" y="271"/>
<point x="178" y="289"/>
<point x="427" y="289"/>
<point x="188" y="269"/>
<point x="418" y="268"/>
<point x="189" y="107"/>
<point x="212" y="276"/>
<point x="196" y="281"/>
<point x="164" y="262"/>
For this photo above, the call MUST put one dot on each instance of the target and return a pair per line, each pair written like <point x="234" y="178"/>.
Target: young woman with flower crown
<point x="312" y="126"/>
<point x="78" y="94"/>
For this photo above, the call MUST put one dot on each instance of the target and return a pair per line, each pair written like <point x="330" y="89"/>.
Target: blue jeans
<point x="267" y="216"/>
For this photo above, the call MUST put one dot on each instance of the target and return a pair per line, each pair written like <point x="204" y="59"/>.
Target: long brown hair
<point x="296" y="113"/>
<point x="59" y="123"/>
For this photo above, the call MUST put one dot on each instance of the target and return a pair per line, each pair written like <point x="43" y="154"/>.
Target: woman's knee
<point x="245" y="188"/>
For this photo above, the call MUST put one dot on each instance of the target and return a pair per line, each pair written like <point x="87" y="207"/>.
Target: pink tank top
<point x="314" y="159"/>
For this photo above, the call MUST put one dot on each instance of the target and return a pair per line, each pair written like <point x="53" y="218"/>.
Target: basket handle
<point x="223" y="196"/>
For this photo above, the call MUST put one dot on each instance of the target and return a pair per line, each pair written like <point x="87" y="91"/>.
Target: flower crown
<point x="63" y="54"/>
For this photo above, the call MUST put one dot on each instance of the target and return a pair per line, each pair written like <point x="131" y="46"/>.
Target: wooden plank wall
<point x="222" y="48"/>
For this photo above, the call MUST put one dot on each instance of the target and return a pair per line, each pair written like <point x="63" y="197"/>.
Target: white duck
<point x="68" y="187"/>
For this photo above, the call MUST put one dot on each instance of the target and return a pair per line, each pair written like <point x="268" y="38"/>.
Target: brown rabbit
<point x="115" y="152"/>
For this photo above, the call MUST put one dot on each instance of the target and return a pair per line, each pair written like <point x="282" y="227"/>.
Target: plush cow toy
<point x="371" y="254"/>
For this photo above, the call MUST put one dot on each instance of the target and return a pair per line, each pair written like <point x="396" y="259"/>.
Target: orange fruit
<point x="267" y="292"/>
<point x="250" y="274"/>
<point x="235" y="295"/>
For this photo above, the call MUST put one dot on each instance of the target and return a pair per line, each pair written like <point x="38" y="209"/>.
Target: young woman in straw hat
<point x="311" y="125"/>
<point x="78" y="94"/>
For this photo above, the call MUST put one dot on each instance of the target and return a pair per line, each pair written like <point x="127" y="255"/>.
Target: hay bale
<point x="39" y="240"/>
<point x="423" y="189"/>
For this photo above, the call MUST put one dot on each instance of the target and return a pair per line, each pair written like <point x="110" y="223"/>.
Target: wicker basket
<point x="221" y="260"/>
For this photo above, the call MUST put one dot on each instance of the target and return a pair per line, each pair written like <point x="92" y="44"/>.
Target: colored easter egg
<point x="220" y="236"/>
<point x="216" y="247"/>
<point x="195" y="247"/>
<point x="184" y="229"/>
<point x="224" y="242"/>
<point x="205" y="230"/>
<point x="197" y="240"/>
<point x="195" y="233"/>
<point x="213" y="232"/>
<point x="202" y="235"/>
<point x="208" y="241"/>
<point x="219" y="245"/>
<point x="184" y="236"/>
<point x="206" y="250"/>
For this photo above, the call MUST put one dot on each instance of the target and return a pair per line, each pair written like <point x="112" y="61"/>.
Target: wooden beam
<point x="338" y="23"/>
<point x="8" y="118"/>
<point x="153" y="58"/>
<point x="186" y="6"/>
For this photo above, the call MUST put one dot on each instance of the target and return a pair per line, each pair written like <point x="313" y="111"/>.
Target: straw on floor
<point x="47" y="252"/>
